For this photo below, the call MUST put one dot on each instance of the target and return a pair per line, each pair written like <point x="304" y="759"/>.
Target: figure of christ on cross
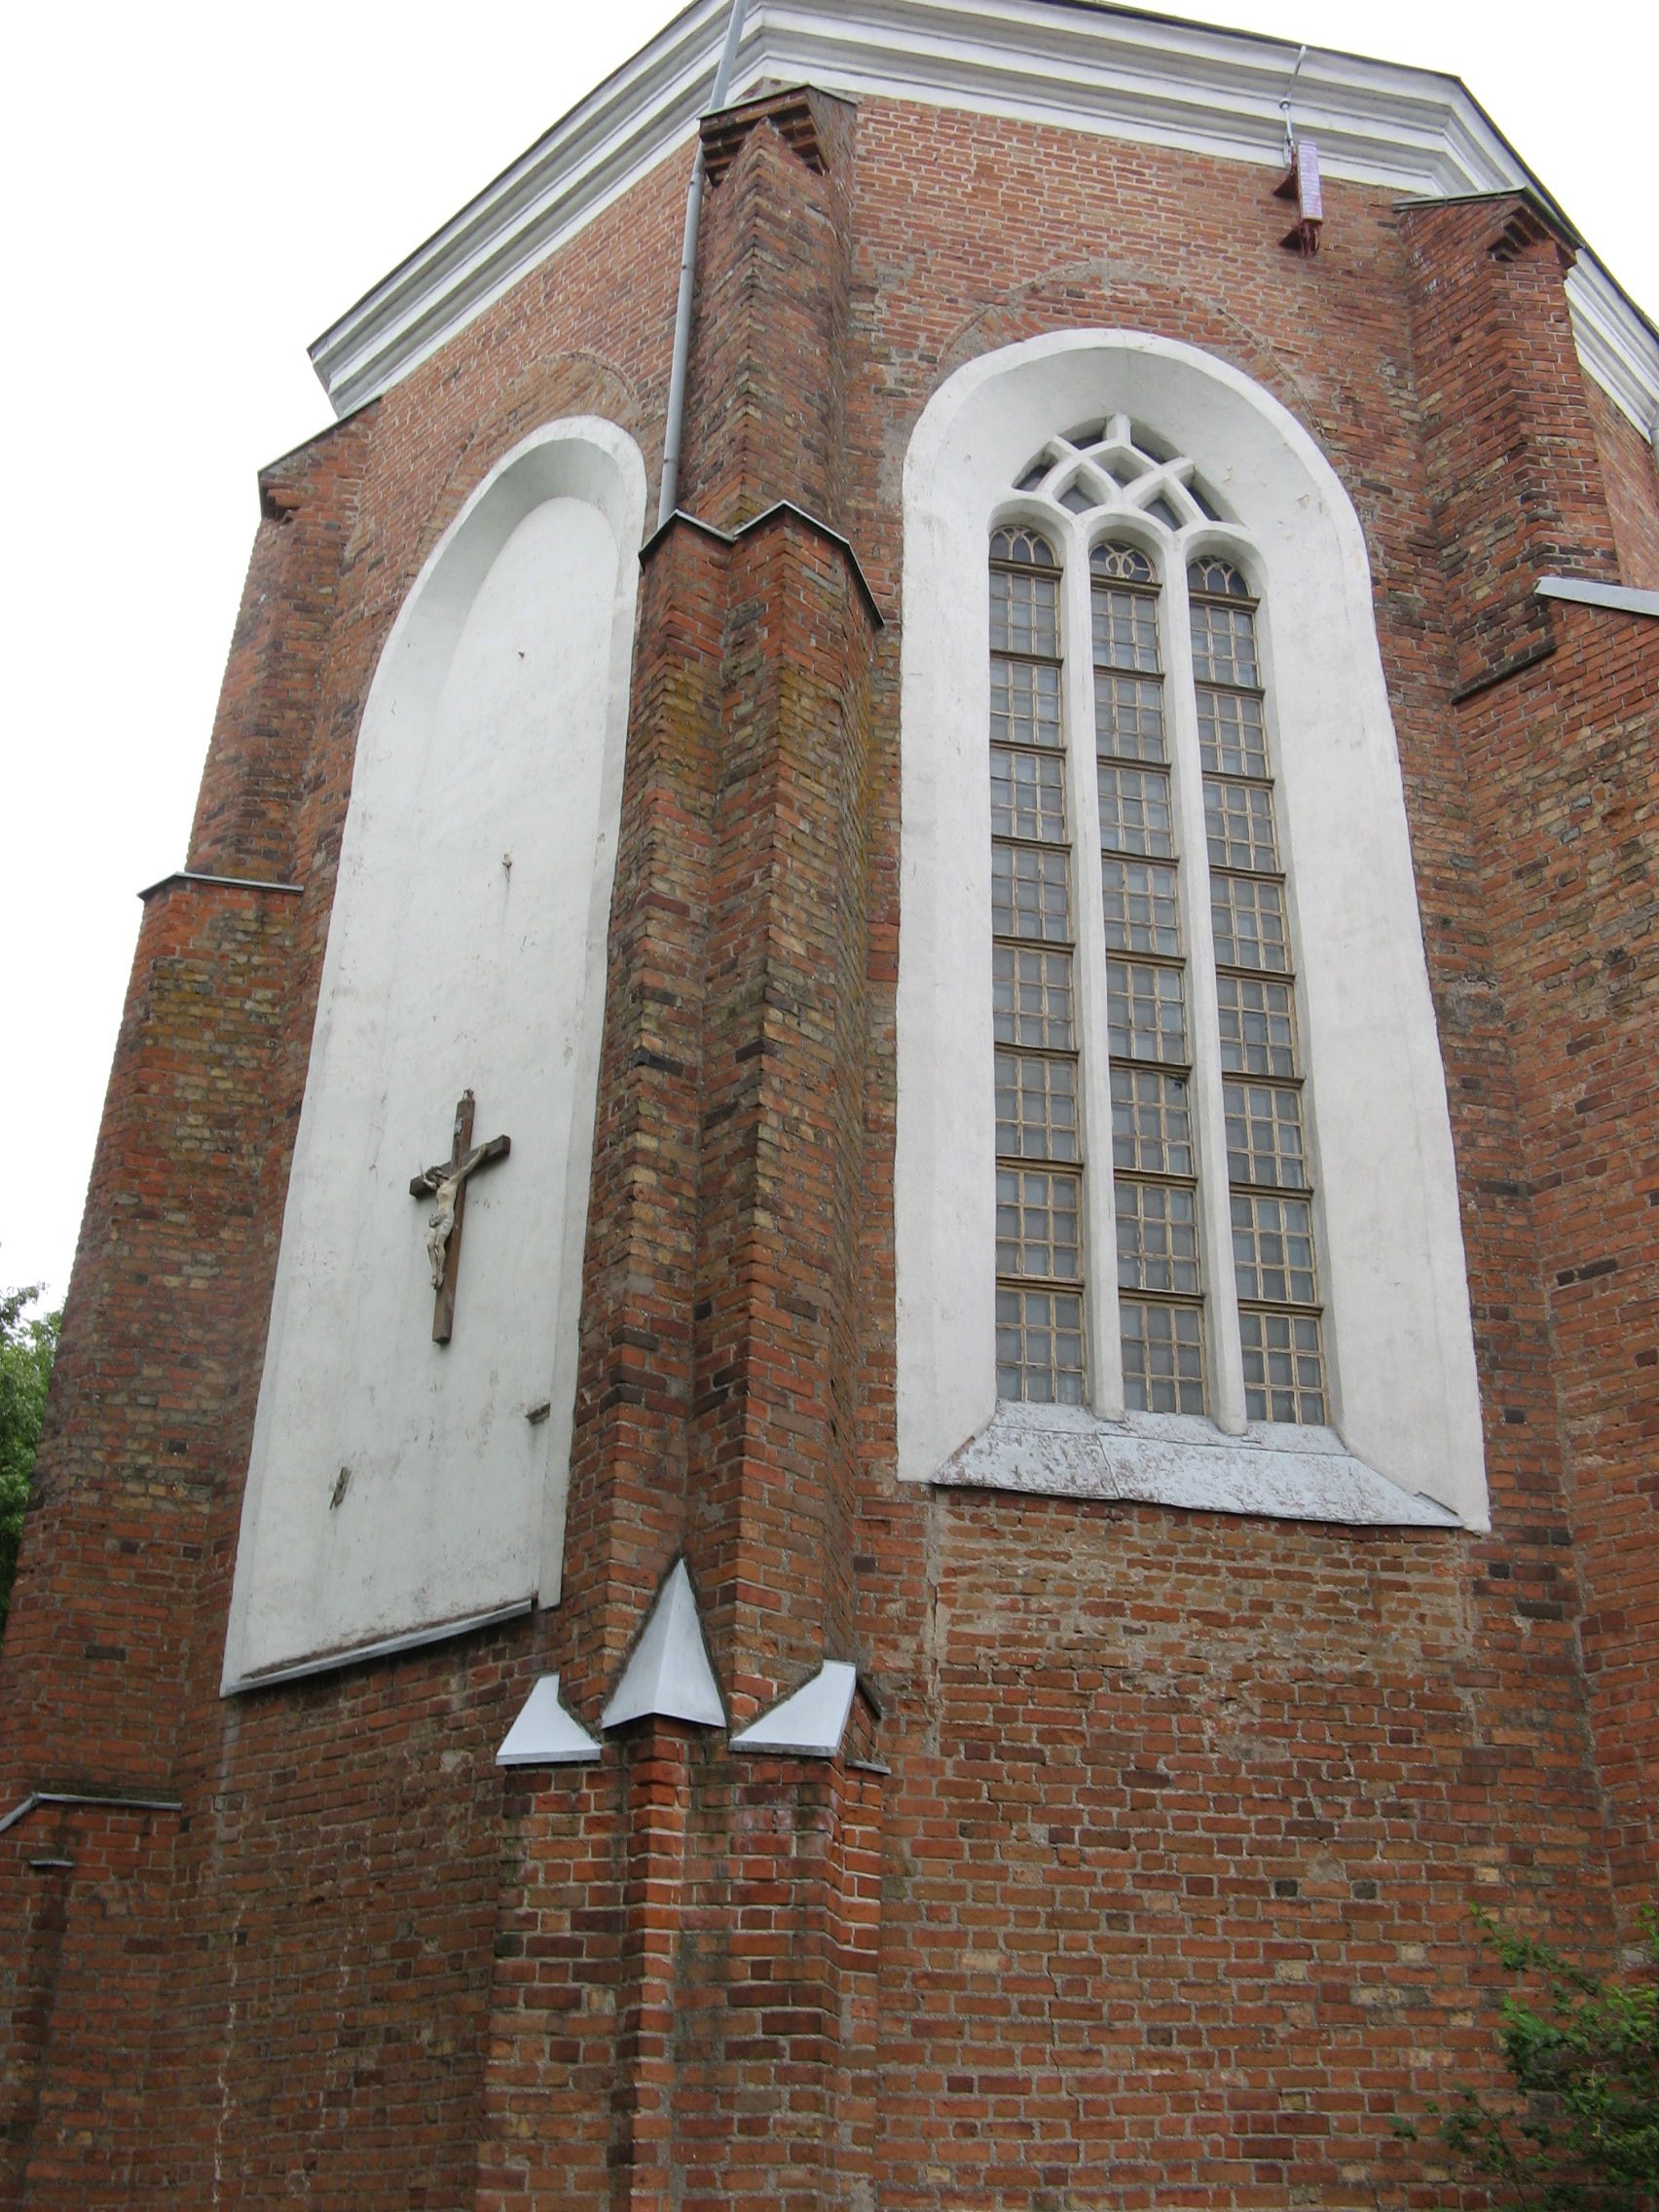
<point x="447" y="1183"/>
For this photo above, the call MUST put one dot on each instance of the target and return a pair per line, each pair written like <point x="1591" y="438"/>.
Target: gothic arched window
<point x="1176" y="1208"/>
<point x="1162" y="1124"/>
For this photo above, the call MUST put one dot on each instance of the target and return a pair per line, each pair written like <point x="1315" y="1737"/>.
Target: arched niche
<point x="398" y="1487"/>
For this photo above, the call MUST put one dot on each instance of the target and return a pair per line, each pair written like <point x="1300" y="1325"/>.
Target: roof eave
<point x="1123" y="72"/>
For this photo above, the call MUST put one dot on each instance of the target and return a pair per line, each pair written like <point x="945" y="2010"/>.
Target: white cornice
<point x="1617" y="344"/>
<point x="1057" y="61"/>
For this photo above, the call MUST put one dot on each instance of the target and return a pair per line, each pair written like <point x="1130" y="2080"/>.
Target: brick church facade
<point x="818" y="1692"/>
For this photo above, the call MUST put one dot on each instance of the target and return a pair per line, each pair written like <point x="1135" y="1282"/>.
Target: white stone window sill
<point x="1274" y="1469"/>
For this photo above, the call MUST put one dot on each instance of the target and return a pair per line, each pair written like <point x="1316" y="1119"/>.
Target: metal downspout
<point x="676" y="426"/>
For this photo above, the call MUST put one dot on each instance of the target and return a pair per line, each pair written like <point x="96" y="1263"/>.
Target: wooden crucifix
<point x="447" y="1183"/>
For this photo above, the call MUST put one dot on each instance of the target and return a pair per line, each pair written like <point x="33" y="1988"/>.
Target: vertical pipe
<point x="675" y="430"/>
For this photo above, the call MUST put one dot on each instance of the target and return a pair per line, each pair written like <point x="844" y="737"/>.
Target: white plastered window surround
<point x="1404" y="1444"/>
<point x="401" y="1490"/>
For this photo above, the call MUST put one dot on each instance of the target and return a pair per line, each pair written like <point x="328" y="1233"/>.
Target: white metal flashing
<point x="1079" y="67"/>
<point x="669" y="1674"/>
<point x="218" y="883"/>
<point x="383" y="1648"/>
<point x="811" y="1722"/>
<point x="1623" y="599"/>
<point x="105" y="1800"/>
<point x="545" y="1735"/>
<point x="1302" y="1474"/>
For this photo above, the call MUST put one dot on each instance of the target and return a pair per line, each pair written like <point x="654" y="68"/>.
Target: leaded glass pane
<point x="1284" y="1371"/>
<point x="1038" y="1232"/>
<point x="1025" y="702"/>
<point x="1128" y="716"/>
<point x="1028" y="545"/>
<point x="1040" y="1347"/>
<point x="1264" y="1134"/>
<point x="1036" y="1107"/>
<point x="1238" y="824"/>
<point x="1220" y="576"/>
<point x="1028" y="794"/>
<point x="1031" y="892"/>
<point x="1146" y="1014"/>
<point x="1273" y="1249"/>
<point x="1163" y="1358"/>
<point x="1141" y="911"/>
<point x="1157" y="1237"/>
<point x="1025" y="614"/>
<point x="1224" y="645"/>
<point x="1135" y="814"/>
<point x="1126" y="564"/>
<point x="1151" y="1122"/>
<point x="1258" y="1026"/>
<point x="1125" y="628"/>
<point x="1232" y="737"/>
<point x="1031" y="997"/>
<point x="1248" y="918"/>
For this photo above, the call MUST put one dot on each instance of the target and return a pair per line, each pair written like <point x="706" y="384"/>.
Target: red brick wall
<point x="1632" y="479"/>
<point x="768" y="382"/>
<point x="84" y="1960"/>
<point x="1513" y="468"/>
<point x="1177" y="1816"/>
<point x="729" y="1158"/>
<point x="1565" y="759"/>
<point x="117" y="1631"/>
<point x="1187" y="1817"/>
<point x="247" y="809"/>
<point x="322" y="2025"/>
<point x="161" y="1350"/>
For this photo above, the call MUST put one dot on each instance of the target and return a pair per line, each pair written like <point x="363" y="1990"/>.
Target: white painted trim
<point x="383" y="1648"/>
<point x="1110" y="74"/>
<point x="1271" y="1472"/>
<point x="1623" y="599"/>
<point x="1618" y="349"/>
<point x="1399" y="1333"/>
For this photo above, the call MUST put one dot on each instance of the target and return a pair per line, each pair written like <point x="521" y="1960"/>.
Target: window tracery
<point x="1214" y="1300"/>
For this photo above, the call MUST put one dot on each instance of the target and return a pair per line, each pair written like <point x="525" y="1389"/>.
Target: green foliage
<point x="1581" y="2130"/>
<point x="27" y="1344"/>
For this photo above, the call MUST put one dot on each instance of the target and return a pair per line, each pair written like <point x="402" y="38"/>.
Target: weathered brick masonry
<point x="1144" y="1873"/>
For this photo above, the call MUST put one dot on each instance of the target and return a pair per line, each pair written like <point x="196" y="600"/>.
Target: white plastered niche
<point x="399" y="1489"/>
<point x="1399" y="1335"/>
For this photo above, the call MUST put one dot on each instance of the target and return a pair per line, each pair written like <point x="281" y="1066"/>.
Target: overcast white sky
<point x="196" y="191"/>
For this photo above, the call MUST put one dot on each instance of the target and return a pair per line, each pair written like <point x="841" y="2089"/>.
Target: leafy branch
<point x="1579" y="2130"/>
<point x="27" y="1344"/>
